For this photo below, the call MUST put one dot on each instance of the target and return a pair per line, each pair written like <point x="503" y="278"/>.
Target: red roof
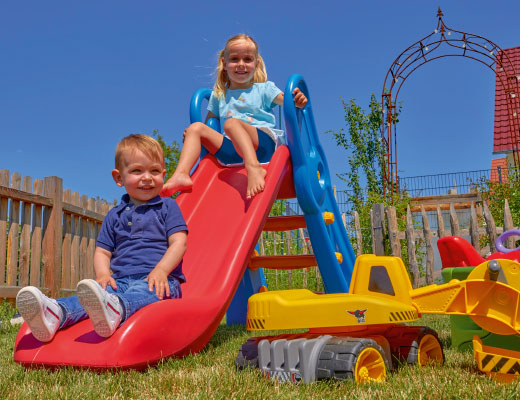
<point x="502" y="138"/>
<point x="498" y="170"/>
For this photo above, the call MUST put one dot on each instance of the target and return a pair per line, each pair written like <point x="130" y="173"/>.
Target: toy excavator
<point x="358" y="329"/>
<point x="362" y="334"/>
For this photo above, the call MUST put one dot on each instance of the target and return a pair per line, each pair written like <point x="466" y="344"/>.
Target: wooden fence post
<point x="410" y="239"/>
<point x="13" y="240"/>
<point x="491" y="228"/>
<point x="429" y="246"/>
<point x="359" y="237"/>
<point x="53" y="189"/>
<point x="25" y="243"/>
<point x="36" y="240"/>
<point x="508" y="225"/>
<point x="378" y="240"/>
<point x="473" y="229"/>
<point x="4" y="203"/>
<point x="91" y="242"/>
<point x="440" y="222"/>
<point x="83" y="268"/>
<point x="261" y="244"/>
<point x="75" y="271"/>
<point x="393" y="231"/>
<point x="66" y="281"/>
<point x="455" y="230"/>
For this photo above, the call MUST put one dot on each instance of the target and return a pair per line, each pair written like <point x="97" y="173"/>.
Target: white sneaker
<point x="42" y="314"/>
<point x="102" y="307"/>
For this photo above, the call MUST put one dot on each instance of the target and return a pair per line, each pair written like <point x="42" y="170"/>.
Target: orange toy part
<point x="224" y="228"/>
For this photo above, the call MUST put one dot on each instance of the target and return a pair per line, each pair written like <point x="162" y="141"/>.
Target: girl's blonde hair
<point x="128" y="145"/>
<point x="222" y="82"/>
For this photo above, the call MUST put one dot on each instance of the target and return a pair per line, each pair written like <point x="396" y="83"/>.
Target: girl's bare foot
<point x="178" y="182"/>
<point x="255" y="180"/>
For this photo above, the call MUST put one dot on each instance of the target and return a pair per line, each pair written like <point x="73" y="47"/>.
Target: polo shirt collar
<point x="125" y="201"/>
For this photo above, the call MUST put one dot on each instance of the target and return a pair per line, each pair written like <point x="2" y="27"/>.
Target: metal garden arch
<point x="444" y="42"/>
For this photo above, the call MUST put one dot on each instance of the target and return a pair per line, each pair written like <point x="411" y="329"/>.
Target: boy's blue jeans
<point x="133" y="295"/>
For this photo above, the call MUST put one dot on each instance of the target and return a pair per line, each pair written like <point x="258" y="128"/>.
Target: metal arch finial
<point x="439" y="13"/>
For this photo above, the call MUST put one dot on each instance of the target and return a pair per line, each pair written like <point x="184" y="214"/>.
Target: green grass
<point x="211" y="374"/>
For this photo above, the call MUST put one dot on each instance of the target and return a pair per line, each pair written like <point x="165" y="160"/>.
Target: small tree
<point x="495" y="193"/>
<point x="172" y="153"/>
<point x="362" y="140"/>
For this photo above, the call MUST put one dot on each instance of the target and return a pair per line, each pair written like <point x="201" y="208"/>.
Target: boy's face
<point x="141" y="176"/>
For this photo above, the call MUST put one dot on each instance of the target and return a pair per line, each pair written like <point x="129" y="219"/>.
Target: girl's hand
<point x="299" y="98"/>
<point x="105" y="280"/>
<point x="158" y="279"/>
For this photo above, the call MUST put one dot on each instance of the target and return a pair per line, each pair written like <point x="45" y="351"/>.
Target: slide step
<point x="284" y="223"/>
<point x="283" y="262"/>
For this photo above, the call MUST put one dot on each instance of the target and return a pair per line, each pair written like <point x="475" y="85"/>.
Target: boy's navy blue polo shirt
<point x="138" y="236"/>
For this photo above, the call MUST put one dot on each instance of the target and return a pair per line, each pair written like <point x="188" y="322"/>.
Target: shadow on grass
<point x="226" y="333"/>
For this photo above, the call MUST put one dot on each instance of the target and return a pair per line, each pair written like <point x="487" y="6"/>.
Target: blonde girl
<point x="242" y="99"/>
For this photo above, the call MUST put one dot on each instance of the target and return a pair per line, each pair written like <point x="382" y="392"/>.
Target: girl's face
<point x="240" y="63"/>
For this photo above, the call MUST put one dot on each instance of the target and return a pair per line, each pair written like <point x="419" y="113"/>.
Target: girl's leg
<point x="245" y="140"/>
<point x="195" y="135"/>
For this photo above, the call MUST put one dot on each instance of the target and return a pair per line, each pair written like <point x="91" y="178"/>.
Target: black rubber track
<point x="338" y="357"/>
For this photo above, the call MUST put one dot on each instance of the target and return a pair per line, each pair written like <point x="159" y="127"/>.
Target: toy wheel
<point x="248" y="354"/>
<point x="426" y="348"/>
<point x="348" y="358"/>
<point x="430" y="351"/>
<point x="500" y="242"/>
<point x="370" y="366"/>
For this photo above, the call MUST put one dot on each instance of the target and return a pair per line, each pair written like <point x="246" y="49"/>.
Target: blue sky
<point x="77" y="76"/>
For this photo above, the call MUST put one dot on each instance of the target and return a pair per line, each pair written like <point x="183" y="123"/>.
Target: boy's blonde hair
<point x="222" y="82"/>
<point x="137" y="141"/>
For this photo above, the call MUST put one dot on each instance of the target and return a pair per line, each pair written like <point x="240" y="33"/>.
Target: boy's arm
<point x="300" y="100"/>
<point x="158" y="278"/>
<point x="102" y="268"/>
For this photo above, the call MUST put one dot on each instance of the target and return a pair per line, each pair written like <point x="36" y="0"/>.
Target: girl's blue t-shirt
<point x="253" y="105"/>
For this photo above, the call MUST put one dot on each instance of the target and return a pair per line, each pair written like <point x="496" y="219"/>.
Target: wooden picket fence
<point x="47" y="234"/>
<point x="418" y="236"/>
<point x="384" y="225"/>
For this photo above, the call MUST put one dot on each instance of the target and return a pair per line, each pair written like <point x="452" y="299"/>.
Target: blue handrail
<point x="314" y="192"/>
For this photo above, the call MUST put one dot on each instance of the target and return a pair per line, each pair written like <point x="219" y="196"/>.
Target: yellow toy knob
<point x="328" y="217"/>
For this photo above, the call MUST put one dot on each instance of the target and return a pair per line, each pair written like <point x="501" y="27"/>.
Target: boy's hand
<point x="105" y="280"/>
<point x="158" y="279"/>
<point x="299" y="98"/>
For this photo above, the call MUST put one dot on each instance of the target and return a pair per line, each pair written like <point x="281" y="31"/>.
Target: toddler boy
<point x="142" y="241"/>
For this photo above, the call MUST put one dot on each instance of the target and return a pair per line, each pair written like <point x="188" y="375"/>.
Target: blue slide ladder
<point x="330" y="242"/>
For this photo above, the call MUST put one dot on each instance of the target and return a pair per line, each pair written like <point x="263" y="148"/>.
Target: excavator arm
<point x="487" y="297"/>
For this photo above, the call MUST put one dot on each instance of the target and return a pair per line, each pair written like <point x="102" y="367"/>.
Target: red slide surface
<point x="224" y="228"/>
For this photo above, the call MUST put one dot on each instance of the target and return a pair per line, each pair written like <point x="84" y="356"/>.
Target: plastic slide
<point x="223" y="230"/>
